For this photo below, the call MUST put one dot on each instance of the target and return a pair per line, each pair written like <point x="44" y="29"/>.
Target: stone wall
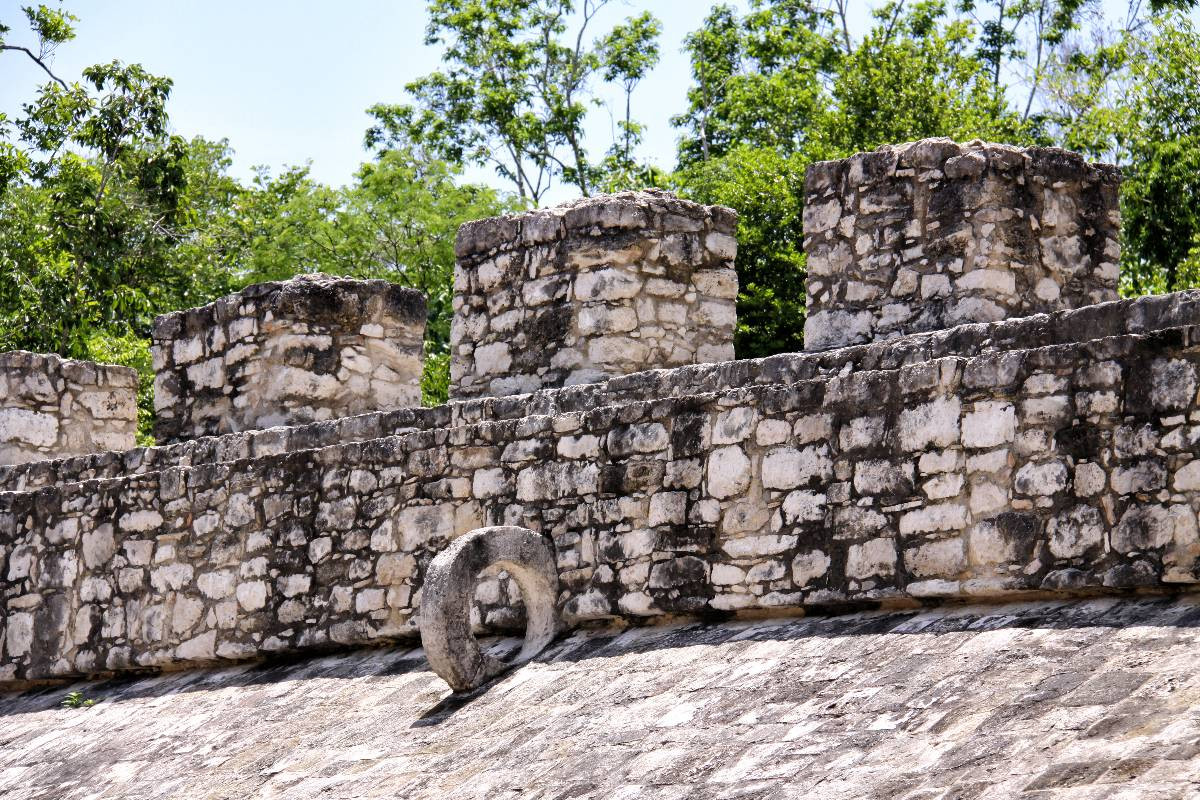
<point x="584" y="291"/>
<point x="54" y="408"/>
<point x="1132" y="316"/>
<point x="934" y="234"/>
<point x="312" y="348"/>
<point x="1067" y="468"/>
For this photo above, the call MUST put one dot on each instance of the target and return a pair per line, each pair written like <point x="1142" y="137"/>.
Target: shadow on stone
<point x="1169" y="613"/>
<point x="503" y="650"/>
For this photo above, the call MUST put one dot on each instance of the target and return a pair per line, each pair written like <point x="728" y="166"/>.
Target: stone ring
<point x="445" y="616"/>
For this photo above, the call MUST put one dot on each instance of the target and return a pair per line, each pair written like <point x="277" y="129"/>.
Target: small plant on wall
<point x="77" y="700"/>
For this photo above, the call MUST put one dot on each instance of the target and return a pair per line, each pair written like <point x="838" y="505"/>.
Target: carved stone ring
<point x="445" y="617"/>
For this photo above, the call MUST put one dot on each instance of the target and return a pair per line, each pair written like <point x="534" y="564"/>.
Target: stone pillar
<point x="286" y="353"/>
<point x="54" y="408"/>
<point x="932" y="234"/>
<point x="590" y="290"/>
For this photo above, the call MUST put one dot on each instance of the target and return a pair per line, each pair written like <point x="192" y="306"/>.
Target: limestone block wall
<point x="584" y="291"/>
<point x="51" y="407"/>
<point x="285" y="353"/>
<point x="1067" y="468"/>
<point x="1131" y="316"/>
<point x="933" y="234"/>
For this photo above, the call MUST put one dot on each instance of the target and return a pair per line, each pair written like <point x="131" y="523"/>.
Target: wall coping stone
<point x="484" y="236"/>
<point x="88" y="372"/>
<point x="308" y="292"/>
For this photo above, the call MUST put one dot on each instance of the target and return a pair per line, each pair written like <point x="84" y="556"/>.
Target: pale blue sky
<point x="289" y="82"/>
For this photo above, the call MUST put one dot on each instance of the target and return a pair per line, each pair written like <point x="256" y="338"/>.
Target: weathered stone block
<point x="51" y="407"/>
<point x="933" y="234"/>
<point x="589" y="290"/>
<point x="309" y="349"/>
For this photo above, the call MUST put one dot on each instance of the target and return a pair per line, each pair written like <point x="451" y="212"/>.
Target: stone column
<point x="54" y="408"/>
<point x="286" y="353"/>
<point x="590" y="290"/>
<point x="932" y="234"/>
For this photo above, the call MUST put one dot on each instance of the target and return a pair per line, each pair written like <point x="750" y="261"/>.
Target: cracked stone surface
<point x="1084" y="699"/>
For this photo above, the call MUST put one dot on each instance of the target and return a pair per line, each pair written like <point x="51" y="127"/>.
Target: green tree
<point x="515" y="89"/>
<point x="786" y="86"/>
<point x="1022" y="39"/>
<point x="1130" y="96"/>
<point x="397" y="221"/>
<point x="208" y="252"/>
<point x="759" y="81"/>
<point x="767" y="189"/>
<point x="91" y="188"/>
<point x="49" y="28"/>
<point x="1160" y="199"/>
<point x="628" y="54"/>
<point x="91" y="184"/>
<point x="756" y="112"/>
<point x="921" y="66"/>
<point x="110" y="220"/>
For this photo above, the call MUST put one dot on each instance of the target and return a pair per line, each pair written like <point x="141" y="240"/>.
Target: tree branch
<point x="841" y="11"/>
<point x="37" y="60"/>
<point x="887" y="36"/>
<point x="1037" y="68"/>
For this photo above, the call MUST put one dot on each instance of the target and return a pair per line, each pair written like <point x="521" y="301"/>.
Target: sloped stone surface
<point x="1089" y="699"/>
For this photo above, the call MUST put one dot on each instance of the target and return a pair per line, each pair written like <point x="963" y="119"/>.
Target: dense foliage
<point x="786" y="86"/>
<point x="516" y="89"/>
<point x="109" y="218"/>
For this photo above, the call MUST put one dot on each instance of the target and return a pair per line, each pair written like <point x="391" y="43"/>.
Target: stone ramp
<point x="1085" y="699"/>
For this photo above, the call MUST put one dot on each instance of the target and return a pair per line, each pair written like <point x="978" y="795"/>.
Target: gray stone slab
<point x="1054" y="701"/>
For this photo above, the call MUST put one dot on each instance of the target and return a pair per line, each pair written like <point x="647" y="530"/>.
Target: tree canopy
<point x="516" y="88"/>
<point x="110" y="219"/>
<point x="787" y="84"/>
